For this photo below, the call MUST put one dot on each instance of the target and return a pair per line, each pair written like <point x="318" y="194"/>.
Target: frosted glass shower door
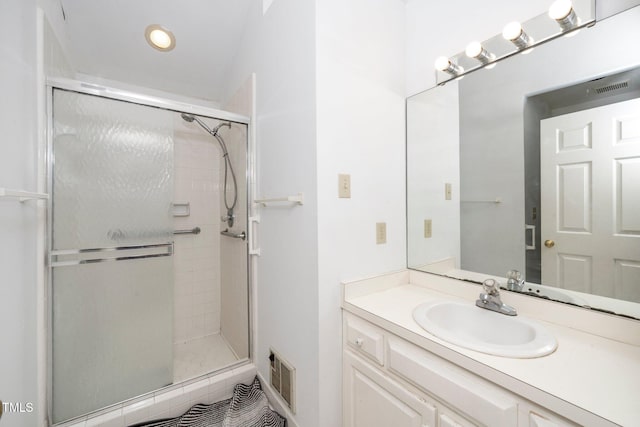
<point x="112" y="241"/>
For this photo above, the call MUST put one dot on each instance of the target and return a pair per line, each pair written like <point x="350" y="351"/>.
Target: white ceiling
<point x="106" y="39"/>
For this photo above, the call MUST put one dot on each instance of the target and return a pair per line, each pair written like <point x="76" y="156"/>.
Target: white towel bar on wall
<point x="21" y="195"/>
<point x="496" y="200"/>
<point x="297" y="199"/>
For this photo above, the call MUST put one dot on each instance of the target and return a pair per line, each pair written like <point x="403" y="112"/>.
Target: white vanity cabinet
<point x="389" y="382"/>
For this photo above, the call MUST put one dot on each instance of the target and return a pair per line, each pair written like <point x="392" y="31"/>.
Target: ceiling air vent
<point x="612" y="87"/>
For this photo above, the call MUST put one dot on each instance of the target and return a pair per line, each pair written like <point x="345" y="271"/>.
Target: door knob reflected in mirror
<point x="549" y="243"/>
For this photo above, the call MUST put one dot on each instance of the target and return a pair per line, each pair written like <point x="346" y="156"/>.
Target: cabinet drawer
<point x="477" y="398"/>
<point x="365" y="338"/>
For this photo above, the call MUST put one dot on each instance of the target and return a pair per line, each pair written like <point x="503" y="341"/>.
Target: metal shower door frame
<point x="149" y="101"/>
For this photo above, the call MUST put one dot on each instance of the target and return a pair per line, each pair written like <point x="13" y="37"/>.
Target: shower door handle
<point x="253" y="221"/>
<point x="228" y="233"/>
<point x="532" y="228"/>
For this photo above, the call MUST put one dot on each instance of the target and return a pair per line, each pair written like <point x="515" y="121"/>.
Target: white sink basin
<point x="485" y="331"/>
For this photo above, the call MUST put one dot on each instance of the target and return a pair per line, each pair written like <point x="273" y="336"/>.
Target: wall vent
<point x="612" y="87"/>
<point x="283" y="378"/>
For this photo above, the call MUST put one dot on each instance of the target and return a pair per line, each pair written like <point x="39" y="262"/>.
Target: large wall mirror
<point x="534" y="166"/>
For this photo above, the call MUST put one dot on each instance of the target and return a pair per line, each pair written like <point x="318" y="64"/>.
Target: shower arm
<point x="213" y="131"/>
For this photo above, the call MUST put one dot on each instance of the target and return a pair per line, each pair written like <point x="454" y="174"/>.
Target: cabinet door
<point x="450" y="419"/>
<point x="372" y="399"/>
<point x="538" y="417"/>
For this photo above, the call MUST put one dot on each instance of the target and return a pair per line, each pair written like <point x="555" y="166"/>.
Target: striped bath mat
<point x="247" y="408"/>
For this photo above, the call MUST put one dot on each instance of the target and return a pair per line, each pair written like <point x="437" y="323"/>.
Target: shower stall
<point x="148" y="256"/>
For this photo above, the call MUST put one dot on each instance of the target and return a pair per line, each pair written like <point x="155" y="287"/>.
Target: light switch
<point x="427" y="228"/>
<point x="381" y="233"/>
<point x="447" y="191"/>
<point x="344" y="186"/>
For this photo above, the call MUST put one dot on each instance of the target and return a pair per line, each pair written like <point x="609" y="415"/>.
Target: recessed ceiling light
<point x="160" y="38"/>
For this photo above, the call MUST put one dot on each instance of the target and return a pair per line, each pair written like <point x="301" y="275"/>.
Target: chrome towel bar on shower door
<point x="66" y="257"/>
<point x="194" y="230"/>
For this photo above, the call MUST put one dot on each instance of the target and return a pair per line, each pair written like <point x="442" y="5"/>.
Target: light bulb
<point x="560" y="9"/>
<point x="515" y="34"/>
<point x="477" y="51"/>
<point x="445" y="65"/>
<point x="442" y="63"/>
<point x="512" y="31"/>
<point x="160" y="38"/>
<point x="473" y="49"/>
<point x="562" y="12"/>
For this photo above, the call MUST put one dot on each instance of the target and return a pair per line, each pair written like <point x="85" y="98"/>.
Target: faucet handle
<point x="514" y="274"/>
<point x="515" y="281"/>
<point x="491" y="287"/>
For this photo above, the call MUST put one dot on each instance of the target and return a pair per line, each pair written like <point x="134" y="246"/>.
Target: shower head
<point x="191" y="118"/>
<point x="187" y="117"/>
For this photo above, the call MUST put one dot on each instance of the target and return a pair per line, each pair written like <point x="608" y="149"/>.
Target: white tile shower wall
<point x="196" y="260"/>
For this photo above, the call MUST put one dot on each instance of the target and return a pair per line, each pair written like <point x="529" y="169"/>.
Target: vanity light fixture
<point x="563" y="13"/>
<point x="486" y="54"/>
<point x="445" y="65"/>
<point x="477" y="51"/>
<point x="514" y="33"/>
<point x="160" y="38"/>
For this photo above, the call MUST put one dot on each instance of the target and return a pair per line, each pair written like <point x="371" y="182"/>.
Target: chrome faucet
<point x="490" y="299"/>
<point x="515" y="281"/>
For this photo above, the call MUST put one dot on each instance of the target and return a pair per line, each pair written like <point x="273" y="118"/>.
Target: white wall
<point x="360" y="131"/>
<point x="18" y="222"/>
<point x="55" y="52"/>
<point x="330" y="100"/>
<point x="280" y="48"/>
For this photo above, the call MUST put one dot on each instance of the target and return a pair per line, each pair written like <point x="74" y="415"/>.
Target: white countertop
<point x="589" y="378"/>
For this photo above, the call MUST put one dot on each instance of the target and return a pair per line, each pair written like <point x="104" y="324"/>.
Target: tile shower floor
<point x="200" y="356"/>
